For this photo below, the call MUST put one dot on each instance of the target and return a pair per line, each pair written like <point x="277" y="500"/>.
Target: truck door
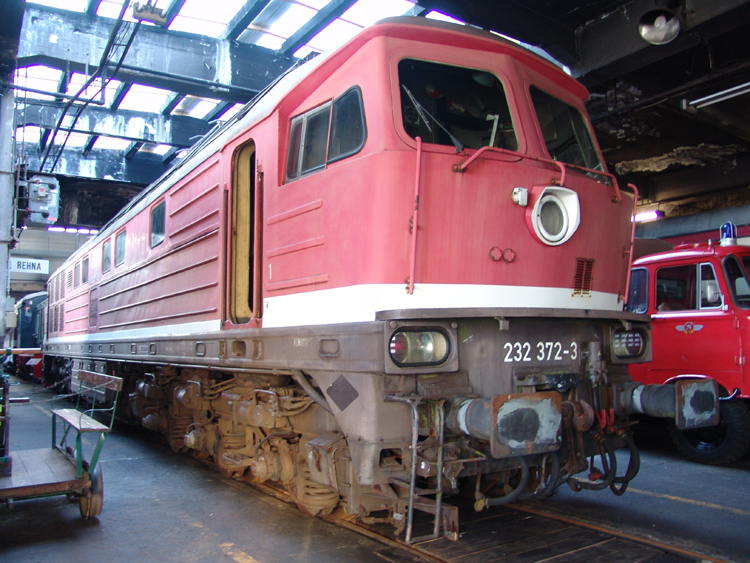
<point x="693" y="333"/>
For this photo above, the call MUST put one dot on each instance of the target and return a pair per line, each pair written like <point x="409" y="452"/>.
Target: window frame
<point x="121" y="236"/>
<point x="162" y="207"/>
<point x="695" y="305"/>
<point x="85" y="270"/>
<point x="583" y="117"/>
<point x="631" y="290"/>
<point x="76" y="275"/>
<point x="107" y="255"/>
<point x="731" y="282"/>
<point x="715" y="279"/>
<point x="507" y="94"/>
<point x="296" y="155"/>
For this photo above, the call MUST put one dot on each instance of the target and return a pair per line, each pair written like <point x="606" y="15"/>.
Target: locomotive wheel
<point x="93" y="506"/>
<point x="717" y="445"/>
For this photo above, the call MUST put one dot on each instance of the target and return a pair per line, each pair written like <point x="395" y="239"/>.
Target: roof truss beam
<point x="199" y="66"/>
<point x="176" y="130"/>
<point x="143" y="168"/>
<point x="243" y="18"/>
<point x="318" y="22"/>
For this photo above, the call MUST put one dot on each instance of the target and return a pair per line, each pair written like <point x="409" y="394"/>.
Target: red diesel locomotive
<point x="398" y="272"/>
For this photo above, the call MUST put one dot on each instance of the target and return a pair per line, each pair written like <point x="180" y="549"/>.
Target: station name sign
<point x="28" y="266"/>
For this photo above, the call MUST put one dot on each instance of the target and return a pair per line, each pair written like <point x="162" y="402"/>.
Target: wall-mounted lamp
<point x="659" y="26"/>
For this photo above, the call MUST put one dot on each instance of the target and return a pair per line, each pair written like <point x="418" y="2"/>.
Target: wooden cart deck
<point x="40" y="472"/>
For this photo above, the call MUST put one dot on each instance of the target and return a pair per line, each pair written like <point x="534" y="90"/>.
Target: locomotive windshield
<point x="468" y="104"/>
<point x="565" y="131"/>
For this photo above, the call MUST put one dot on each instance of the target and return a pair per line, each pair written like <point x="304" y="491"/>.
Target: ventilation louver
<point x="583" y="277"/>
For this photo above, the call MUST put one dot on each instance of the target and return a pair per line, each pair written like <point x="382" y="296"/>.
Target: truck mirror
<point x="712" y="292"/>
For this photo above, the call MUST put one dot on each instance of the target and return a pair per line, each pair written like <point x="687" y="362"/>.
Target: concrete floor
<point x="162" y="506"/>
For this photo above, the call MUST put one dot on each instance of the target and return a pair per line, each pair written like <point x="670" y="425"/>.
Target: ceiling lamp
<point x="659" y="26"/>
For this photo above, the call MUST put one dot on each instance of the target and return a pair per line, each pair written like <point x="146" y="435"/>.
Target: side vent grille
<point x="583" y="277"/>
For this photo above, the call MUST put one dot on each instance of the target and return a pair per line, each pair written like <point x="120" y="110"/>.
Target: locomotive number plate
<point x="540" y="351"/>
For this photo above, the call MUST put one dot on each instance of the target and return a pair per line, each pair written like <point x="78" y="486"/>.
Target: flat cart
<point x="62" y="469"/>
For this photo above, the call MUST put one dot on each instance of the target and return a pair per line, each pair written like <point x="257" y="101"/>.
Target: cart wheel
<point x="90" y="503"/>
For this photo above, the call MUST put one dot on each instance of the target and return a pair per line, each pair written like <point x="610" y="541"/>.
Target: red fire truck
<point x="698" y="296"/>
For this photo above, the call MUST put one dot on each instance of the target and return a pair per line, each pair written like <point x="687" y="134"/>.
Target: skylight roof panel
<point x="367" y="12"/>
<point x="269" y="41"/>
<point x="37" y="78"/>
<point x="337" y="32"/>
<point x="220" y="12"/>
<point x="291" y="20"/>
<point x="314" y="4"/>
<point x="73" y="140"/>
<point x="93" y="91"/>
<point x="144" y="98"/>
<point x="111" y="143"/>
<point x="111" y="9"/>
<point x="28" y="134"/>
<point x="204" y="18"/>
<point x="70" y="5"/>
<point x="439" y="16"/>
<point x="197" y="26"/>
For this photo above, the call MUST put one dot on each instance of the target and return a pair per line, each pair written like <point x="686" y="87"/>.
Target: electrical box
<point x="43" y="200"/>
<point x="11" y="320"/>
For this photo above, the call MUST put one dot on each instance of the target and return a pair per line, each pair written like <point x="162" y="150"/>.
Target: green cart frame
<point x="62" y="469"/>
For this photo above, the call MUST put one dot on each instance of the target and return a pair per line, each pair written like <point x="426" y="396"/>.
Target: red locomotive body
<point x="409" y="245"/>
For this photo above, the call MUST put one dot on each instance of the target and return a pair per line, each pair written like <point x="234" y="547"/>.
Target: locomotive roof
<point x="263" y="105"/>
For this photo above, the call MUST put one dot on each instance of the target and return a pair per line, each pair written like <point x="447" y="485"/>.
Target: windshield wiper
<point x="421" y="110"/>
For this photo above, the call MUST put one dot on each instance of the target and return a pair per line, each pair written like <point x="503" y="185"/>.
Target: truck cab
<point x="698" y="297"/>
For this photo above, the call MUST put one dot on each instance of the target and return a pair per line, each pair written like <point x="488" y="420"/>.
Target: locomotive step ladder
<point x="63" y="469"/>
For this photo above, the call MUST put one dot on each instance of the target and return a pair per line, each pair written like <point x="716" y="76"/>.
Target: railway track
<point x="524" y="534"/>
<point x="519" y="533"/>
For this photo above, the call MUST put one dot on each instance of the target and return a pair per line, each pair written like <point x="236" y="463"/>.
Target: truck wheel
<point x="717" y="445"/>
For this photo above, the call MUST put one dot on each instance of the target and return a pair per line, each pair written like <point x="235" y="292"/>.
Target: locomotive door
<point x="244" y="263"/>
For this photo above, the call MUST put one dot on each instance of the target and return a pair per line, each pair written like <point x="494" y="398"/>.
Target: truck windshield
<point x="736" y="272"/>
<point x="468" y="105"/>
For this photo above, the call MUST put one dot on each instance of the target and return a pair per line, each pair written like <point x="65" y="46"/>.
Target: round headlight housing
<point x="628" y="344"/>
<point x="555" y="215"/>
<point x="411" y="348"/>
<point x="552" y="218"/>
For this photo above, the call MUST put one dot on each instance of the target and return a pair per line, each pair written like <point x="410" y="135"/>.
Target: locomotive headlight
<point x="555" y="216"/>
<point x="628" y="344"/>
<point x="419" y="348"/>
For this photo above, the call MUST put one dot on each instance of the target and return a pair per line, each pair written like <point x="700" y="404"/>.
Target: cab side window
<point x="120" y="248"/>
<point x="675" y="288"/>
<point x="710" y="296"/>
<point x="106" y="256"/>
<point x="638" y="293"/>
<point x="326" y="134"/>
<point x="737" y="280"/>
<point x="157" y="223"/>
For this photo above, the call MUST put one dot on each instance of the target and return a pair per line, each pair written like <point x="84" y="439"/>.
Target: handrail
<point x="415" y="217"/>
<point x="556" y="163"/>
<point x="632" y="242"/>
